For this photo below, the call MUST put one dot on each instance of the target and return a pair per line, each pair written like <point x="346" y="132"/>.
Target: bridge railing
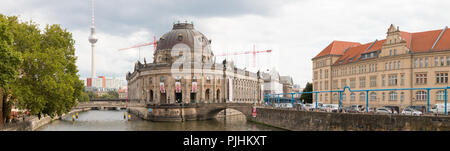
<point x="269" y="97"/>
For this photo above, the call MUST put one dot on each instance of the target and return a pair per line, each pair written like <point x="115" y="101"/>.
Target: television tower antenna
<point x="93" y="39"/>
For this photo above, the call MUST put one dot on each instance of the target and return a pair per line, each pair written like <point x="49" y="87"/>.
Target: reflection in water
<point x="113" y="121"/>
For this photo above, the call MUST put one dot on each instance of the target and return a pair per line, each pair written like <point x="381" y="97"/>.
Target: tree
<point x="48" y="83"/>
<point x="10" y="61"/>
<point x="307" y="96"/>
<point x="84" y="97"/>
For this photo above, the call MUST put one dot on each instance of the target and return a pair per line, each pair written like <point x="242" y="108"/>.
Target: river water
<point x="95" y="120"/>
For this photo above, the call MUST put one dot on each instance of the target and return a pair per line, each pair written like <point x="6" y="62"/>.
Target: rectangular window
<point x="398" y="66"/>
<point x="403" y="79"/>
<point x="352" y="83"/>
<point x="421" y="63"/>
<point x="373" y="81"/>
<point x="448" y="61"/>
<point x="382" y="80"/>
<point x="362" y="82"/>
<point x="343" y="83"/>
<point x="393" y="96"/>
<point x="426" y="62"/>
<point x="421" y="78"/>
<point x="442" y="61"/>
<point x="436" y="61"/>
<point x="315" y="75"/>
<point x="416" y="62"/>
<point x="392" y="80"/>
<point x="441" y="77"/>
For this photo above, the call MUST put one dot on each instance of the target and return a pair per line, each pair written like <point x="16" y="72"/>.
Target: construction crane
<point x="154" y="43"/>
<point x="254" y="52"/>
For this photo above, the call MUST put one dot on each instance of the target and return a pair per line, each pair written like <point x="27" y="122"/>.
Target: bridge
<point x="195" y="111"/>
<point x="110" y="104"/>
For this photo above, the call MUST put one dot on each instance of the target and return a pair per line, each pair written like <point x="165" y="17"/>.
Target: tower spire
<point x="93" y="39"/>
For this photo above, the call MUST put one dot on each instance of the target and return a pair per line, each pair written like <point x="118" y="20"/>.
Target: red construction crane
<point x="154" y="43"/>
<point x="254" y="52"/>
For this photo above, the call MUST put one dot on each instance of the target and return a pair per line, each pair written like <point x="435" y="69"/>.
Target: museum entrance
<point x="151" y="96"/>
<point x="218" y="96"/>
<point x="178" y="97"/>
<point x="163" y="99"/>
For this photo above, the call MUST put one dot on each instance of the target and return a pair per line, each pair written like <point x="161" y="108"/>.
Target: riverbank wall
<point x="32" y="123"/>
<point x="323" y="121"/>
<point x="138" y="112"/>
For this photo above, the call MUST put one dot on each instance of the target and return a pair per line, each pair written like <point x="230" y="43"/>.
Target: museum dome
<point x="182" y="33"/>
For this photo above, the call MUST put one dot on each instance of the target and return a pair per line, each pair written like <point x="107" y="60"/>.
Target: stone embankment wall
<point x="323" y="121"/>
<point x="32" y="123"/>
<point x="139" y="112"/>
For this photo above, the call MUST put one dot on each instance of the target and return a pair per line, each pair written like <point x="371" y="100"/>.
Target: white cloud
<point x="295" y="30"/>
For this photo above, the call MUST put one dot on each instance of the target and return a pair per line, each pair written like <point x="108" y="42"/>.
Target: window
<point x="441" y="77"/>
<point x="421" y="63"/>
<point x="336" y="97"/>
<point x="150" y="80"/>
<point x="373" y="81"/>
<point x="326" y="97"/>
<point x="362" y="82"/>
<point x="440" y="95"/>
<point x="436" y="61"/>
<point x="393" y="96"/>
<point x="390" y="52"/>
<point x="326" y="73"/>
<point x="402" y="96"/>
<point x="163" y="78"/>
<point x="395" y="50"/>
<point x="416" y="63"/>
<point x="386" y="66"/>
<point x="398" y="65"/>
<point x="394" y="65"/>
<point x="442" y="61"/>
<point x="352" y="83"/>
<point x="383" y="96"/>
<point x="392" y="80"/>
<point x="343" y="83"/>
<point x="448" y="61"/>
<point x="373" y="96"/>
<point x="426" y="62"/>
<point x="382" y="80"/>
<point x="315" y="75"/>
<point x="362" y="96"/>
<point x="421" y="95"/>
<point x="403" y="79"/>
<point x="421" y="78"/>
<point x="352" y="97"/>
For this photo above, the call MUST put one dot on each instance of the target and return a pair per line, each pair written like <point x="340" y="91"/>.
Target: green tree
<point x="48" y="82"/>
<point x="10" y="60"/>
<point x="84" y="97"/>
<point x="307" y="96"/>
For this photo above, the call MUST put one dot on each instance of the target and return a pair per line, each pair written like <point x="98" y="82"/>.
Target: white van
<point x="440" y="109"/>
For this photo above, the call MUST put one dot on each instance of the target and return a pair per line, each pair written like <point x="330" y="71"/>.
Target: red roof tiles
<point x="336" y="48"/>
<point x="416" y="42"/>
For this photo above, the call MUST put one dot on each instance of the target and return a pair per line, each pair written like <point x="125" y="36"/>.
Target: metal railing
<point x="277" y="96"/>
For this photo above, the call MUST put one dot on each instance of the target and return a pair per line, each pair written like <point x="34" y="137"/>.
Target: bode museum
<point x="184" y="71"/>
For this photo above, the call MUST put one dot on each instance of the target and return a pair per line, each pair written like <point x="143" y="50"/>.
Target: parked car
<point x="358" y="108"/>
<point x="410" y="111"/>
<point x="383" y="110"/>
<point x="333" y="107"/>
<point x="418" y="108"/>
<point x="440" y="109"/>
<point x="286" y="105"/>
<point x="308" y="107"/>
<point x="394" y="109"/>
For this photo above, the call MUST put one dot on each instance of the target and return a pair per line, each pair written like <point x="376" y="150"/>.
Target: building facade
<point x="184" y="71"/>
<point x="402" y="60"/>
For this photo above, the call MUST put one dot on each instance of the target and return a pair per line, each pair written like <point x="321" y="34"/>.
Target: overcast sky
<point x="296" y="31"/>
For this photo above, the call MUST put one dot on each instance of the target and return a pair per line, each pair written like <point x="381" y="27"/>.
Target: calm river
<point x="113" y="121"/>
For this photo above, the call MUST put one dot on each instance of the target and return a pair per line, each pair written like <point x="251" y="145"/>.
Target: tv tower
<point x="93" y="39"/>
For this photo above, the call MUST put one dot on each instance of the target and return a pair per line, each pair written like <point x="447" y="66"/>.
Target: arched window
<point x="362" y="96"/>
<point x="421" y="95"/>
<point x="373" y="96"/>
<point x="352" y="97"/>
